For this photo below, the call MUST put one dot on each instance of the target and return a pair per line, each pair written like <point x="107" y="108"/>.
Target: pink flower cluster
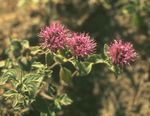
<point x="53" y="37"/>
<point x="56" y="37"/>
<point x="121" y="53"/>
<point x="81" y="44"/>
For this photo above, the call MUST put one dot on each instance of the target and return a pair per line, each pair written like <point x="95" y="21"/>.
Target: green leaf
<point x="83" y="68"/>
<point x="16" y="99"/>
<point x="114" y="68"/>
<point x="8" y="75"/>
<point x="87" y="66"/>
<point x="25" y="43"/>
<point x="95" y="58"/>
<point x="37" y="65"/>
<point x="62" y="100"/>
<point x="65" y="76"/>
<point x="3" y="80"/>
<point x="60" y="59"/>
<point x="35" y="50"/>
<point x="57" y="104"/>
<point x="65" y="100"/>
<point x="9" y="93"/>
<point x="31" y="83"/>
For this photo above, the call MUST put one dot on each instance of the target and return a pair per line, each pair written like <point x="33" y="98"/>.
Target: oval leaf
<point x="65" y="76"/>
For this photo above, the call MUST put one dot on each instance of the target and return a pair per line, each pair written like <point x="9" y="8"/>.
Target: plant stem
<point x="53" y="65"/>
<point x="44" y="95"/>
<point x="74" y="73"/>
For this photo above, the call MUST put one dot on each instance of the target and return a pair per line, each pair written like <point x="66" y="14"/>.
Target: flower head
<point x="121" y="53"/>
<point x="53" y="37"/>
<point x="81" y="45"/>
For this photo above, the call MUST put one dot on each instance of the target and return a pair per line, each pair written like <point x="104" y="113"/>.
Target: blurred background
<point x="100" y="93"/>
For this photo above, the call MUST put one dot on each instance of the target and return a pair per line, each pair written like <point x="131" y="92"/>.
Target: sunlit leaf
<point x="65" y="100"/>
<point x="35" y="50"/>
<point x="83" y="68"/>
<point x="60" y="59"/>
<point x="65" y="76"/>
<point x="31" y="82"/>
<point x="25" y="43"/>
<point x="37" y="65"/>
<point x="95" y="58"/>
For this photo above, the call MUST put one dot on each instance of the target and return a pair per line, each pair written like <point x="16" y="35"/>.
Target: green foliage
<point x="65" y="76"/>
<point x="35" y="50"/>
<point x="62" y="100"/>
<point x="29" y="83"/>
<point x="23" y="87"/>
<point x="83" y="68"/>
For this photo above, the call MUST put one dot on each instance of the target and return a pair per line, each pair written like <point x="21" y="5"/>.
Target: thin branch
<point x="53" y="65"/>
<point x="74" y="73"/>
<point x="44" y="95"/>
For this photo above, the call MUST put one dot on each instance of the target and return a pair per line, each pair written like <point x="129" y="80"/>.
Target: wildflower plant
<point x="121" y="53"/>
<point x="53" y="37"/>
<point x="29" y="83"/>
<point x="81" y="45"/>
